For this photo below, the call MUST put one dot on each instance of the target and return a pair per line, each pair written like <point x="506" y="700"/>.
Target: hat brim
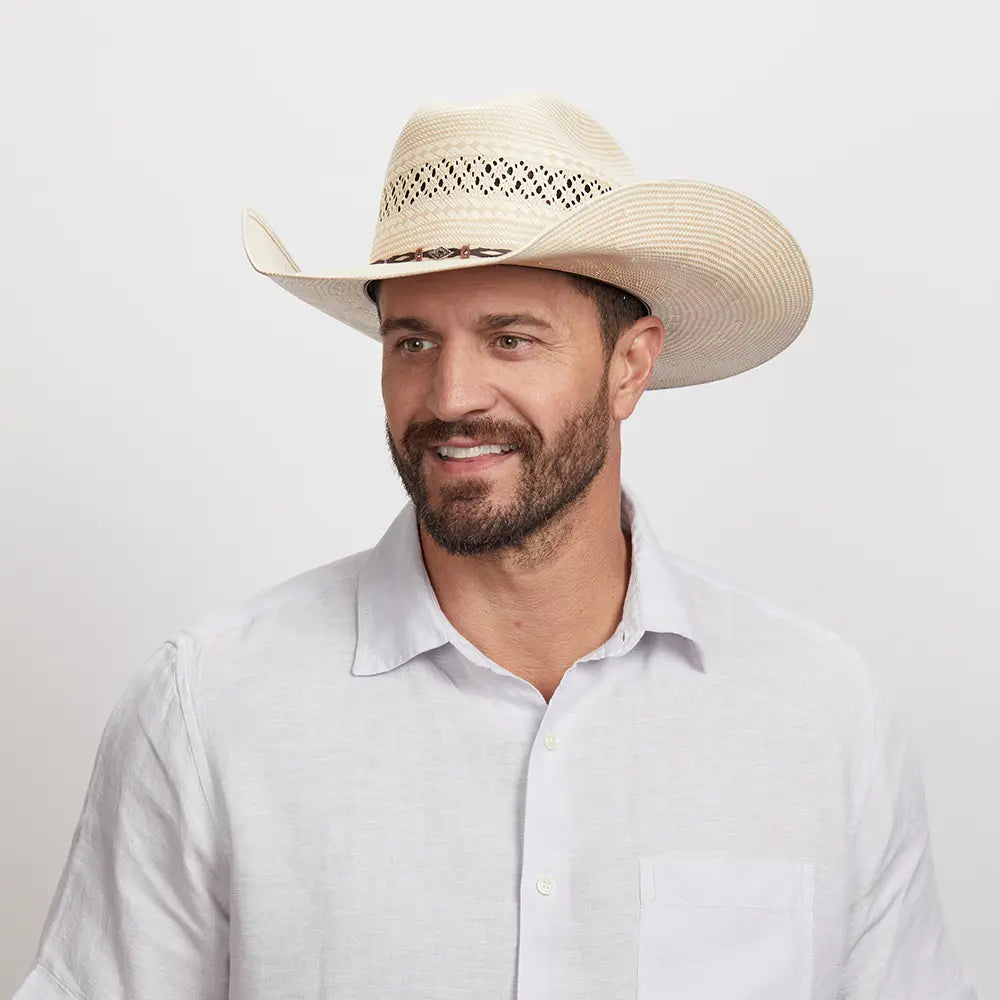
<point x="727" y="279"/>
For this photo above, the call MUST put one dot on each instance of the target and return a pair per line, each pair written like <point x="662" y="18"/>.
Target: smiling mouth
<point x="451" y="452"/>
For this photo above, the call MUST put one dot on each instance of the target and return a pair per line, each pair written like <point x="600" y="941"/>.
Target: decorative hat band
<point x="441" y="253"/>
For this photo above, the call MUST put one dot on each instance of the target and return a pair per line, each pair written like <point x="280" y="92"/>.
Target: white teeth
<point x="480" y="449"/>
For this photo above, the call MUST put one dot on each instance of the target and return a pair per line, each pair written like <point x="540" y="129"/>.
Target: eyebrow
<point x="491" y="321"/>
<point x="410" y="323"/>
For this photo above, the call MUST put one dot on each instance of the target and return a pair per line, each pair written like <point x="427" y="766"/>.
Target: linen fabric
<point x="327" y="792"/>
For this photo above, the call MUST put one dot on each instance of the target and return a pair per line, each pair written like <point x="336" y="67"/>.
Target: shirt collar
<point x="399" y="616"/>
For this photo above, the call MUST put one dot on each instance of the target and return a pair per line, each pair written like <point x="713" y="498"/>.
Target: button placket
<point x="545" y="919"/>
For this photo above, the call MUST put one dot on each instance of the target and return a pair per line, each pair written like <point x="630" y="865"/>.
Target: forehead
<point x="498" y="287"/>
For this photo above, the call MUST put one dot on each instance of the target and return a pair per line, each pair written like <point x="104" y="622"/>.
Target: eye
<point x="508" y="342"/>
<point x="412" y="345"/>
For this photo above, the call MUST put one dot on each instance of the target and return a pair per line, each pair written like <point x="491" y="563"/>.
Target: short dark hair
<point x="617" y="309"/>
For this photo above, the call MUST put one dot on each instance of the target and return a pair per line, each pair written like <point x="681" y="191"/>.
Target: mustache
<point x="419" y="436"/>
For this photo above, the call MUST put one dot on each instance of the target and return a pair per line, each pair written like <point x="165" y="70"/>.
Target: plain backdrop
<point x="177" y="432"/>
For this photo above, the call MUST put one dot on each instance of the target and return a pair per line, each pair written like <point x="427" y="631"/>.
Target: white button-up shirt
<point x="327" y="793"/>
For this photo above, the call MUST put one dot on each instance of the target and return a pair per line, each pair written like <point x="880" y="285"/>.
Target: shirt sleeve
<point x="898" y="946"/>
<point x="141" y="908"/>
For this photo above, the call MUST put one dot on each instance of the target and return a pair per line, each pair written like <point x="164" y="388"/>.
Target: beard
<point x="466" y="520"/>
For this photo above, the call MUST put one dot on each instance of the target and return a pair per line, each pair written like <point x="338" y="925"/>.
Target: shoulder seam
<point x="196" y="744"/>
<point x="55" y="979"/>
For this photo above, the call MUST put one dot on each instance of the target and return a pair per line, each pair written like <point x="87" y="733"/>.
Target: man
<point x="516" y="749"/>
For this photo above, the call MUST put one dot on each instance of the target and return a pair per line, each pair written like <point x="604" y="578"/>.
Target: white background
<point x="177" y="432"/>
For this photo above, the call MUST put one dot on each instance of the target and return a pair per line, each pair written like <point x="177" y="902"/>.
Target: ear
<point x="631" y="365"/>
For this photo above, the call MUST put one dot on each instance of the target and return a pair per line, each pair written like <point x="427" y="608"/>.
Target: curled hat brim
<point x="727" y="279"/>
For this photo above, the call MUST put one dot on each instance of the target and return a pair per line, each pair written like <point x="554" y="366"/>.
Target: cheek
<point x="402" y="401"/>
<point x="545" y="404"/>
<point x="396" y="391"/>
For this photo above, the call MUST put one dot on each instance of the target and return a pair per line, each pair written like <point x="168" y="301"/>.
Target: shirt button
<point x="545" y="885"/>
<point x="550" y="741"/>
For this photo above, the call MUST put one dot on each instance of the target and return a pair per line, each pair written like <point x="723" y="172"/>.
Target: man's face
<point x="498" y="356"/>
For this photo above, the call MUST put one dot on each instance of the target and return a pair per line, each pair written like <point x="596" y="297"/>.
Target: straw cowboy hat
<point x="534" y="181"/>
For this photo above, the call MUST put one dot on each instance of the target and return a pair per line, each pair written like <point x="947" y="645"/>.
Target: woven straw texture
<point x="538" y="178"/>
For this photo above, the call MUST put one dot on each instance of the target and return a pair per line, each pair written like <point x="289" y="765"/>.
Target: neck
<point x="537" y="609"/>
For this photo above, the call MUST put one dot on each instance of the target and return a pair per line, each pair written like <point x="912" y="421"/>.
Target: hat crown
<point x="492" y="175"/>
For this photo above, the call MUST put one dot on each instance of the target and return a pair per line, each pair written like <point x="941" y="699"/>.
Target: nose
<point x="460" y="384"/>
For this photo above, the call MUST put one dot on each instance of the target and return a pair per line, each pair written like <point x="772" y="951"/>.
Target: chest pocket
<point x="725" y="927"/>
